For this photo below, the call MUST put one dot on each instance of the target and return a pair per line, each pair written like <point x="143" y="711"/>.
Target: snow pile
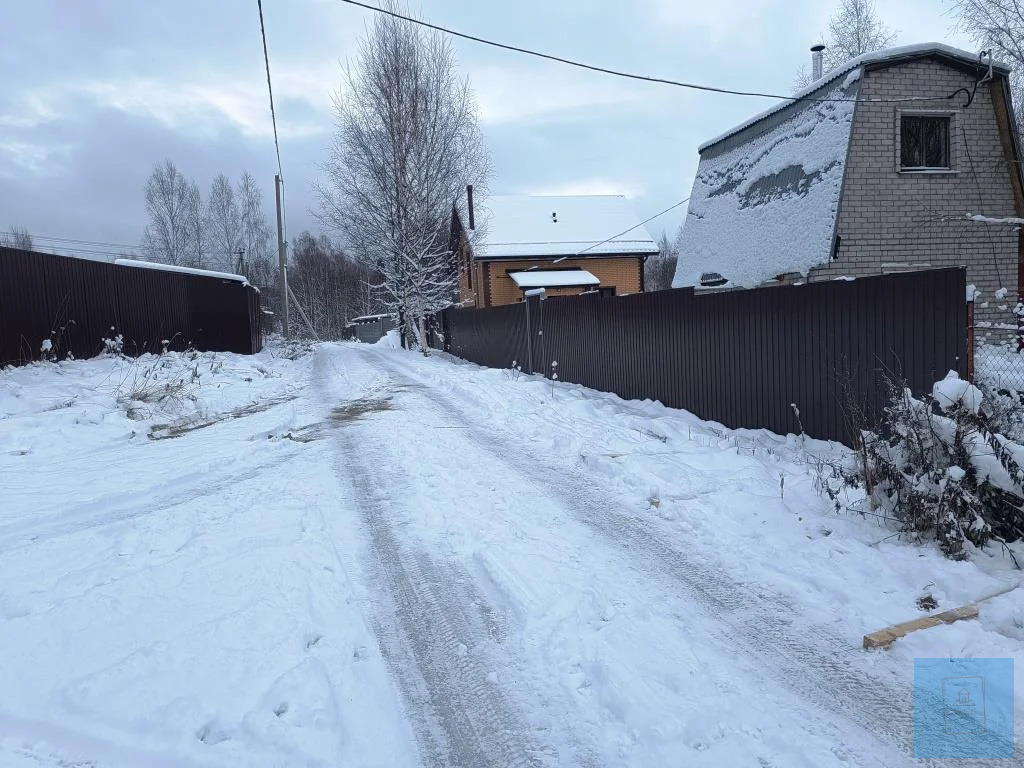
<point x="764" y="201"/>
<point x="953" y="392"/>
<point x="945" y="473"/>
<point x="176" y="599"/>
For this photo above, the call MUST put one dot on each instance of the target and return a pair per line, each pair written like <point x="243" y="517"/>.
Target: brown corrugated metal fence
<point x="77" y="303"/>
<point x="742" y="358"/>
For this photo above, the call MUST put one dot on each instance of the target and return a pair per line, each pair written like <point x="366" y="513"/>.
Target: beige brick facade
<point x="889" y="218"/>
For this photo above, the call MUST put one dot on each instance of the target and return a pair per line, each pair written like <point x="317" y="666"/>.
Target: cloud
<point x="721" y="20"/>
<point x="532" y="95"/>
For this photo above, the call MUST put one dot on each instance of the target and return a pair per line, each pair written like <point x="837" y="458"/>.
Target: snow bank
<point x="180" y="602"/>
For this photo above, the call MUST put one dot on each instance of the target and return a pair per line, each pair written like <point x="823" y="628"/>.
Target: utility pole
<point x="282" y="268"/>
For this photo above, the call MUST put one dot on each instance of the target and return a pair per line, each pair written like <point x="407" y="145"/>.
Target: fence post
<point x="529" y="337"/>
<point x="970" y="341"/>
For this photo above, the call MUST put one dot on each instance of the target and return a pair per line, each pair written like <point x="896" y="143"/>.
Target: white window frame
<point x="952" y="114"/>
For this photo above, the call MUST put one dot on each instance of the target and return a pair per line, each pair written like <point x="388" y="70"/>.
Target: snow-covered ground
<point x="358" y="556"/>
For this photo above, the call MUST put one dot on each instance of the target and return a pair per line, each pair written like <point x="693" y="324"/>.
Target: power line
<point x="635" y="226"/>
<point x="49" y="238"/>
<point x="270" y="89"/>
<point x="630" y="75"/>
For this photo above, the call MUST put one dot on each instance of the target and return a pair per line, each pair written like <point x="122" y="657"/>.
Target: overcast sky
<point x="95" y="93"/>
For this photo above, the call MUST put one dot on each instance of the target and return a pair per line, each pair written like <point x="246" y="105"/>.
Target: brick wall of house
<point x="887" y="218"/>
<point x="625" y="273"/>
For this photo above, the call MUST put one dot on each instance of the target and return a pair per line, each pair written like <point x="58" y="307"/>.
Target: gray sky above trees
<point x="97" y="93"/>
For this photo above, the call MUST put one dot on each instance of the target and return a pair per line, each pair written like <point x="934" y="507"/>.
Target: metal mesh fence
<point x="998" y="352"/>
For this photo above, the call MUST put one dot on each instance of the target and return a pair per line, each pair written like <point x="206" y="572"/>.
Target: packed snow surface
<point x="352" y="555"/>
<point x="562" y="225"/>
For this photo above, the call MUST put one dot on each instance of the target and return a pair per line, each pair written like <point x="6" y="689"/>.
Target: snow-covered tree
<point x="999" y="24"/>
<point x="853" y="30"/>
<point x="406" y="144"/>
<point x="174" y="234"/>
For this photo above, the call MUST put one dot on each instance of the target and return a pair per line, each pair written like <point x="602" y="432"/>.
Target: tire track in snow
<point x="432" y="631"/>
<point x="748" y="618"/>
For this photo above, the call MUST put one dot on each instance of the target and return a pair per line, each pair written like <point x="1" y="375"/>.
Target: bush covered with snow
<point x="938" y="466"/>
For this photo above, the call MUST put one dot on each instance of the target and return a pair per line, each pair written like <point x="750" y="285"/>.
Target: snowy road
<point x="375" y="559"/>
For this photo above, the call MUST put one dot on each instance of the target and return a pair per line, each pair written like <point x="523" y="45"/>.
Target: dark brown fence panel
<point x="742" y="358"/>
<point x="77" y="303"/>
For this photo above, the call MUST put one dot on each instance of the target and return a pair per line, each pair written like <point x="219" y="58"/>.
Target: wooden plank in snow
<point x="883" y="638"/>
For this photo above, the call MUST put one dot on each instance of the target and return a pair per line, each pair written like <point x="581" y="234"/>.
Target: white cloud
<point x="18" y="157"/>
<point x="530" y="95"/>
<point x="721" y="19"/>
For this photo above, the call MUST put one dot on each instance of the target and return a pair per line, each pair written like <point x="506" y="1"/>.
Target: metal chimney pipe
<point x="816" y="51"/>
<point x="469" y="205"/>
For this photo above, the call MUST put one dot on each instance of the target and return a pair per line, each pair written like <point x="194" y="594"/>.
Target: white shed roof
<point x="523" y="226"/>
<point x="553" y="278"/>
<point x="181" y="270"/>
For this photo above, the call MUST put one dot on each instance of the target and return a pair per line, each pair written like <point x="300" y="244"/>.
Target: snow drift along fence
<point x="76" y="302"/>
<point x="739" y="357"/>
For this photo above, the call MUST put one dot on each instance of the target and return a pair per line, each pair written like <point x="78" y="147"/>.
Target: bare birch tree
<point x="174" y="233"/>
<point x="18" y="237"/>
<point x="999" y="24"/>
<point x="255" y="235"/>
<point x="853" y="30"/>
<point x="330" y="286"/>
<point x="223" y="223"/>
<point x="660" y="269"/>
<point x="406" y="144"/>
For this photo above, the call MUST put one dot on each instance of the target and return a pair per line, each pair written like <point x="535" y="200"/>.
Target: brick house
<point x="904" y="158"/>
<point x="566" y="244"/>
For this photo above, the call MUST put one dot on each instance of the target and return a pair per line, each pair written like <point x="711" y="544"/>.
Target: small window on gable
<point x="924" y="142"/>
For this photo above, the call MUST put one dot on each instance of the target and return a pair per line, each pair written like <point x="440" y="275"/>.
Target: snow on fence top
<point x="182" y="270"/>
<point x="554" y="278"/>
<point x="564" y="225"/>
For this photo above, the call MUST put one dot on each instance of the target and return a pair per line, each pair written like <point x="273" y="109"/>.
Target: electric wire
<point x="634" y="76"/>
<point x="270" y="88"/>
<point x="635" y="226"/>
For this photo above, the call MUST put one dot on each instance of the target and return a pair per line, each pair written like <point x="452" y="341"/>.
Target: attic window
<point x="712" y="280"/>
<point x="924" y="142"/>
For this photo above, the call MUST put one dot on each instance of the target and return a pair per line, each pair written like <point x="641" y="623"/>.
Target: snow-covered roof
<point x="181" y="270"/>
<point x="874" y="57"/>
<point x="767" y="206"/>
<point x="553" y="278"/>
<point x="517" y="226"/>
